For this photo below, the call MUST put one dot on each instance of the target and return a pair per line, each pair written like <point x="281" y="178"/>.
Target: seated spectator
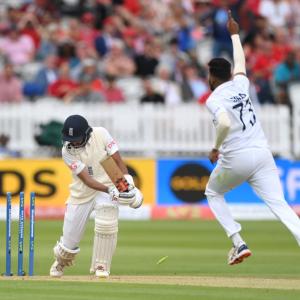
<point x="17" y="47"/>
<point x="10" y="85"/>
<point x="117" y="63"/>
<point x="66" y="53"/>
<point x="111" y="92"/>
<point x="45" y="77"/>
<point x="146" y="62"/>
<point x="49" y="42"/>
<point x="88" y="66"/>
<point x="150" y="96"/>
<point x="103" y="41"/>
<point x="222" y="41"/>
<point x="64" y="84"/>
<point x="185" y="38"/>
<point x="85" y="92"/>
<point x="83" y="31"/>
<point x="276" y="11"/>
<point x="166" y="87"/>
<point x="29" y="26"/>
<point x="192" y="87"/>
<point x="285" y="73"/>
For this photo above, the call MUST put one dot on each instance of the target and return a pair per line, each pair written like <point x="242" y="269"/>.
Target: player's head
<point x="219" y="71"/>
<point x="76" y="131"/>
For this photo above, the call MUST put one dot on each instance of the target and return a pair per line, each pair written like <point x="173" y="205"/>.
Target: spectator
<point x="192" y="87"/>
<point x="285" y="73"/>
<point x="45" y="76"/>
<point x="146" y="62"/>
<point x="185" y="38"/>
<point x="64" y="85"/>
<point x="111" y="92"/>
<point x="88" y="66"/>
<point x="104" y="40"/>
<point x="66" y="52"/>
<point x="166" y="87"/>
<point x="150" y="96"/>
<point x="276" y="11"/>
<point x="83" y="31"/>
<point x="222" y="41"/>
<point x="17" y="47"/>
<point x="85" y="93"/>
<point x="10" y="85"/>
<point x="117" y="63"/>
<point x="29" y="26"/>
<point x="49" y="42"/>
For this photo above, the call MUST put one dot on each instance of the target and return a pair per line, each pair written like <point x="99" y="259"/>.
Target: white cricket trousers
<point x="76" y="218"/>
<point x="258" y="168"/>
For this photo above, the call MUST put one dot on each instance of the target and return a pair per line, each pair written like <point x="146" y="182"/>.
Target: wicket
<point x="20" y="271"/>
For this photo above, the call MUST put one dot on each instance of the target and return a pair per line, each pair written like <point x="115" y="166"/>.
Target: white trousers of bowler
<point x="257" y="167"/>
<point x="76" y="218"/>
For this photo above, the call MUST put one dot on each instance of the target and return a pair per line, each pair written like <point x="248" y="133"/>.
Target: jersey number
<point x="240" y="106"/>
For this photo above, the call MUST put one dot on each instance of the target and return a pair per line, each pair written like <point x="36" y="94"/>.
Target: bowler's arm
<point x="238" y="52"/>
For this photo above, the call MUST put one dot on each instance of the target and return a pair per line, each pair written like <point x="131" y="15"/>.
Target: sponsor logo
<point x="188" y="182"/>
<point x="111" y="144"/>
<point x="71" y="131"/>
<point x="73" y="166"/>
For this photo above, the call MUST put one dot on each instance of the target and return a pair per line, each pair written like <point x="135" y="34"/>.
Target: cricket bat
<point x="115" y="174"/>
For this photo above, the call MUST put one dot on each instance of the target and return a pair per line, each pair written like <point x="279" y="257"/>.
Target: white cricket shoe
<point x="237" y="254"/>
<point x="101" y="272"/>
<point x="56" y="270"/>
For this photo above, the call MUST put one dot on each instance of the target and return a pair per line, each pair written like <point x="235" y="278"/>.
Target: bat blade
<point x="115" y="174"/>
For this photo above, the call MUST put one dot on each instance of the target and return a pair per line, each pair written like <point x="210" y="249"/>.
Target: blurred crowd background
<point x="142" y="51"/>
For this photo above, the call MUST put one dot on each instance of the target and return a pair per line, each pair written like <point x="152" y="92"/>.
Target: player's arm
<point x="119" y="161"/>
<point x="90" y="182"/>
<point x="122" y="166"/>
<point x="222" y="130"/>
<point x="238" y="52"/>
<point x="113" y="151"/>
<point x="78" y="168"/>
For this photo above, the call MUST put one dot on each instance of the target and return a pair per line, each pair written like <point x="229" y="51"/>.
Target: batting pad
<point x="64" y="255"/>
<point x="106" y="234"/>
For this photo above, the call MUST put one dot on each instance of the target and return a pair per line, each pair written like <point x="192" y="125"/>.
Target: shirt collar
<point x="223" y="85"/>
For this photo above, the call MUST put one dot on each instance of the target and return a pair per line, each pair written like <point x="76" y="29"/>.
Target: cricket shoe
<point x="100" y="272"/>
<point x="56" y="270"/>
<point x="237" y="254"/>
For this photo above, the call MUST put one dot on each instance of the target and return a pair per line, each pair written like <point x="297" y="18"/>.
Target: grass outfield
<point x="195" y="268"/>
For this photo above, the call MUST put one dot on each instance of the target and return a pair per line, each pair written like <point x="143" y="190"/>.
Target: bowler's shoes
<point x="56" y="270"/>
<point x="237" y="254"/>
<point x="101" y="272"/>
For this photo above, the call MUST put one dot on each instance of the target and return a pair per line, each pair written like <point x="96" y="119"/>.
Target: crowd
<point x="115" y="51"/>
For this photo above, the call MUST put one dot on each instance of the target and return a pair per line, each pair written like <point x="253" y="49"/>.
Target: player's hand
<point x="232" y="25"/>
<point x="114" y="193"/>
<point x="138" y="199"/>
<point x="127" y="198"/>
<point x="214" y="155"/>
<point x="130" y="181"/>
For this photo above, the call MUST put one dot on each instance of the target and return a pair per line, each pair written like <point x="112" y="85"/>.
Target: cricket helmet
<point x="76" y="129"/>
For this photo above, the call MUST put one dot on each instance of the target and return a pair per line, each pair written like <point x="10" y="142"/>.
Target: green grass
<point x="195" y="248"/>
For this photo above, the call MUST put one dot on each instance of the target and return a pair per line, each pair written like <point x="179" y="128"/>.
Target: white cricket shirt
<point x="233" y="98"/>
<point x="99" y="146"/>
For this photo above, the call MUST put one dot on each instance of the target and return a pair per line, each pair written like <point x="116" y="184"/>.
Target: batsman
<point x="100" y="183"/>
